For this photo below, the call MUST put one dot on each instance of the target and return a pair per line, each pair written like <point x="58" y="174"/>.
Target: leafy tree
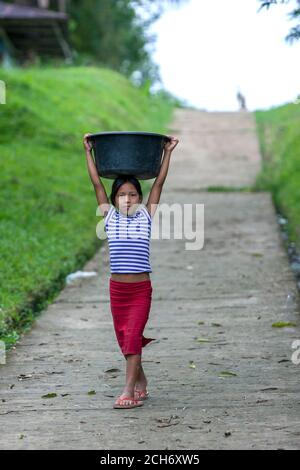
<point x="294" y="33"/>
<point x="115" y="34"/>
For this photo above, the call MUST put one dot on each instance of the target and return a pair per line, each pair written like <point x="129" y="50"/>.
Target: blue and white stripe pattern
<point x="129" y="240"/>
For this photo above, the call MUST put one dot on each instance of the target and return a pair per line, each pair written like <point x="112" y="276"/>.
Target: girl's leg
<point x="141" y="382"/>
<point x="133" y="363"/>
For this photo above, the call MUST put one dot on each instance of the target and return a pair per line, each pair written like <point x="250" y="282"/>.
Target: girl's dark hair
<point x="121" y="180"/>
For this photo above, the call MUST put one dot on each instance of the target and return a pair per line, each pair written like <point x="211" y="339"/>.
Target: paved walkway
<point x="236" y="286"/>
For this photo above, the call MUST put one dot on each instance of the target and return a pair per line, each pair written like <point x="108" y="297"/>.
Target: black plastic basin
<point x="128" y="153"/>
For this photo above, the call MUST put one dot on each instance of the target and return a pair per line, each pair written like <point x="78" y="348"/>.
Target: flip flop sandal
<point x="141" y="394"/>
<point x="127" y="402"/>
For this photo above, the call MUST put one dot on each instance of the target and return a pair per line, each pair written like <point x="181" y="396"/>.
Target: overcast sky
<point x="208" y="49"/>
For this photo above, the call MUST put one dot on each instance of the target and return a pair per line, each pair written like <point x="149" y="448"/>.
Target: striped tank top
<point x="129" y="240"/>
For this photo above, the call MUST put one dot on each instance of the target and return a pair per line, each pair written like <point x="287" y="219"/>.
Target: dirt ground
<point x="235" y="388"/>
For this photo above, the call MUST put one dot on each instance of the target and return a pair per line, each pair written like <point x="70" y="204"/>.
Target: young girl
<point x="130" y="284"/>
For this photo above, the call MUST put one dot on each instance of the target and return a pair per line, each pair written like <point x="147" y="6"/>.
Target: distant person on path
<point x="241" y="100"/>
<point x="130" y="284"/>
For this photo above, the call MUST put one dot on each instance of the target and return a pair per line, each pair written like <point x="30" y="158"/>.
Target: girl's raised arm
<point x="100" y="192"/>
<point x="157" y="186"/>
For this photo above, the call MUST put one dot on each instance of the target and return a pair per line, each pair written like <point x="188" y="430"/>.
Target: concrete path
<point x="228" y="294"/>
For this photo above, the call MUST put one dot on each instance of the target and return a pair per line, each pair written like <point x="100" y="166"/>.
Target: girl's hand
<point x="87" y="145"/>
<point x="170" y="145"/>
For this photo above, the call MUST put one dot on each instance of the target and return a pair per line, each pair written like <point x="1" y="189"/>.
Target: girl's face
<point x="127" y="198"/>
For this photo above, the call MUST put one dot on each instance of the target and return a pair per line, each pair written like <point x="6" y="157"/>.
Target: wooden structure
<point x="27" y="32"/>
<point x="59" y="5"/>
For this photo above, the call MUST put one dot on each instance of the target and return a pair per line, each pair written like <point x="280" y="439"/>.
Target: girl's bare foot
<point x="127" y="392"/>
<point x="141" y="385"/>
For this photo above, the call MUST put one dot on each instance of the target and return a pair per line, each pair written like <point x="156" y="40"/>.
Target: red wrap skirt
<point x="130" y="304"/>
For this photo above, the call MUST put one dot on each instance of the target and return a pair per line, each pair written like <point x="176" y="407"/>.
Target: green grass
<point x="230" y="189"/>
<point x="279" y="138"/>
<point x="48" y="206"/>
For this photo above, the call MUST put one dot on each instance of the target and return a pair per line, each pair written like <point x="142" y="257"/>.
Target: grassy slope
<point x="279" y="137"/>
<point x="48" y="205"/>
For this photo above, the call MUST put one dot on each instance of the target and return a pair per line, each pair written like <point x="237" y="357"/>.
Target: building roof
<point x="9" y="11"/>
